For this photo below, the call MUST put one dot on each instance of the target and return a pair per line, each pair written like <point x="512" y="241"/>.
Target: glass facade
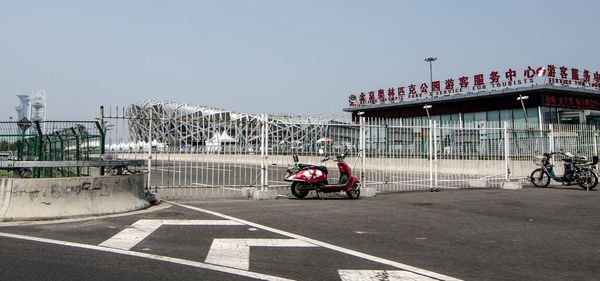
<point x="515" y="118"/>
<point x="493" y="118"/>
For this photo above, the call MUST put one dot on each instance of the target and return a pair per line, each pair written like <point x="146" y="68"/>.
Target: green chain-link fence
<point x="52" y="141"/>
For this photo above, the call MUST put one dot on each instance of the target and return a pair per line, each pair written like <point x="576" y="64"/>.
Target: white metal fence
<point x="215" y="157"/>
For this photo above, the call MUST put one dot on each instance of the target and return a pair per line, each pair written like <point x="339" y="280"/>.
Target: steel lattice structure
<point x="180" y="124"/>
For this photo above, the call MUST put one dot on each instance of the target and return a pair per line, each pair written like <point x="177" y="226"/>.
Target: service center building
<point x="533" y="95"/>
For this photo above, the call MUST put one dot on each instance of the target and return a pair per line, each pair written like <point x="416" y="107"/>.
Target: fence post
<point x="102" y="144"/>
<point x="266" y="186"/>
<point x="77" y="149"/>
<point x="262" y="150"/>
<point x="149" y="151"/>
<point x="363" y="154"/>
<point x="430" y="136"/>
<point x="39" y="149"/>
<point x="551" y="138"/>
<point x="506" y="152"/>
<point x="595" y="137"/>
<point x="435" y="154"/>
<point x="264" y="182"/>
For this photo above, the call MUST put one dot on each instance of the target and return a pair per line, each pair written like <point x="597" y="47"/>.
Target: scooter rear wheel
<point x="298" y="190"/>
<point x="587" y="180"/>
<point x="354" y="193"/>
<point x="540" y="178"/>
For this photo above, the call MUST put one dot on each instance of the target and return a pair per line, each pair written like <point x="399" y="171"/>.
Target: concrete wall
<point x="34" y="199"/>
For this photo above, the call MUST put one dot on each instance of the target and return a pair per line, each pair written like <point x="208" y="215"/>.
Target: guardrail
<point x="22" y="169"/>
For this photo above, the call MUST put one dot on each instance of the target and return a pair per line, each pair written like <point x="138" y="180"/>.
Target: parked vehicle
<point x="308" y="177"/>
<point x="577" y="169"/>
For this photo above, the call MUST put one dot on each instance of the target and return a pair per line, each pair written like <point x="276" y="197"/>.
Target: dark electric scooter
<point x="307" y="177"/>
<point x="577" y="169"/>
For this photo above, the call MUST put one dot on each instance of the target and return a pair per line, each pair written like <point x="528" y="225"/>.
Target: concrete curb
<point x="42" y="199"/>
<point x="264" y="194"/>
<point x="257" y="194"/>
<point x="512" y="185"/>
<point x="368" y="192"/>
<point x="478" y="183"/>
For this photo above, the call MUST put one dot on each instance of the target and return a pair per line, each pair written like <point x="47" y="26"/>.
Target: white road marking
<point x="347" y="251"/>
<point x="138" y="231"/>
<point x="148" y="256"/>
<point x="236" y="252"/>
<point x="381" y="275"/>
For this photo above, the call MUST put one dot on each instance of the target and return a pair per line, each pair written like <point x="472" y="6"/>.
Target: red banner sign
<point x="494" y="80"/>
<point x="571" y="102"/>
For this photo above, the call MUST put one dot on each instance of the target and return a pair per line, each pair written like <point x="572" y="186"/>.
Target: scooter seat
<point x="310" y="166"/>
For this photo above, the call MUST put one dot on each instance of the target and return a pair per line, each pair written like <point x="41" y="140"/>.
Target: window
<point x="493" y="117"/>
<point x="518" y="118"/>
<point x="547" y="111"/>
<point x="533" y="116"/>
<point x="468" y="119"/>
<point x="455" y="117"/>
<point x="506" y="116"/>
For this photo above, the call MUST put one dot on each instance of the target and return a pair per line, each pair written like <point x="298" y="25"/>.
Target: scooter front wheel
<point x="540" y="178"/>
<point x="298" y="189"/>
<point x="354" y="193"/>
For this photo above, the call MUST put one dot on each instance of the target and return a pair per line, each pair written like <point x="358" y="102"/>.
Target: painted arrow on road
<point x="135" y="233"/>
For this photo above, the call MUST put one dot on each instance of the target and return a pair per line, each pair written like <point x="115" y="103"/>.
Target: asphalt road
<point x="530" y="234"/>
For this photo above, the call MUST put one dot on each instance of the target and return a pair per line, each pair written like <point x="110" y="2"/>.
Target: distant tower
<point x="23" y="108"/>
<point x="38" y="105"/>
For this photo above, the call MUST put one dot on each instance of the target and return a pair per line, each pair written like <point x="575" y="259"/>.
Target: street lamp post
<point x="430" y="60"/>
<point x="427" y="107"/>
<point x="521" y="99"/>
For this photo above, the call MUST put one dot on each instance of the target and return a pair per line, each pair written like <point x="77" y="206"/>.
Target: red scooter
<point x="307" y="177"/>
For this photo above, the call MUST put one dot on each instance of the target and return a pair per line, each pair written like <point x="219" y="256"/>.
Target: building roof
<point x="479" y="95"/>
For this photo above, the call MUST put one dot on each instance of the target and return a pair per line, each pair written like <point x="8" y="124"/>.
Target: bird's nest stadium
<point x="183" y="126"/>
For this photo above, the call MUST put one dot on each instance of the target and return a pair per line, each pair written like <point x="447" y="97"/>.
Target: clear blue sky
<point x="272" y="56"/>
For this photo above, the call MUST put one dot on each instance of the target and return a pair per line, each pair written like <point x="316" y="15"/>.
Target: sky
<point x="279" y="56"/>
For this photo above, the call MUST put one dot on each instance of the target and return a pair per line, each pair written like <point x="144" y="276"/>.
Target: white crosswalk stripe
<point x="381" y="275"/>
<point x="236" y="252"/>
